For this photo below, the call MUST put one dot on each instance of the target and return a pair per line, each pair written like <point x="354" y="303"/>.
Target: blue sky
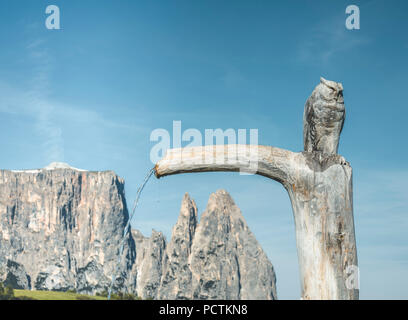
<point x="91" y="93"/>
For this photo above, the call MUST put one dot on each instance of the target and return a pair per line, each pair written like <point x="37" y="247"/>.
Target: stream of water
<point x="126" y="231"/>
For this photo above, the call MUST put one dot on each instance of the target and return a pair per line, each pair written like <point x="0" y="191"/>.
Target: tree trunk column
<point x="321" y="191"/>
<point x="322" y="202"/>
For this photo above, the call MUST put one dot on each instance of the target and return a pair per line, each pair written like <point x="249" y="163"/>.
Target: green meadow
<point x="54" y="295"/>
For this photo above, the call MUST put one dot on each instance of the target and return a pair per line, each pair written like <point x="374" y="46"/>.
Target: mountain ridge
<point x="60" y="230"/>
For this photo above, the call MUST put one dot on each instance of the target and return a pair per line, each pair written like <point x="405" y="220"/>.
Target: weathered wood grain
<point x="321" y="192"/>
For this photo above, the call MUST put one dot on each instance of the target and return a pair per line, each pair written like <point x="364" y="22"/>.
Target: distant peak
<point x="60" y="165"/>
<point x="222" y="195"/>
<point x="222" y="199"/>
<point x="222" y="192"/>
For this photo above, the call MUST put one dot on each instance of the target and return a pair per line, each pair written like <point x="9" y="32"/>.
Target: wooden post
<point x="321" y="192"/>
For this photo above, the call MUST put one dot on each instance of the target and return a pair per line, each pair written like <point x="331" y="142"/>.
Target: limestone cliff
<point x="60" y="229"/>
<point x="218" y="258"/>
<point x="177" y="276"/>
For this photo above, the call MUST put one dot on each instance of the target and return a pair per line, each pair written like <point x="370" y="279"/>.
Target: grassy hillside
<point x="53" y="295"/>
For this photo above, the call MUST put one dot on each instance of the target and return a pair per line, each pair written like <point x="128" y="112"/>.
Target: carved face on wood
<point x="323" y="118"/>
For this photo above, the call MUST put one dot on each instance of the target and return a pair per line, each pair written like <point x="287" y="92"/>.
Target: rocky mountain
<point x="60" y="229"/>
<point x="149" y="263"/>
<point x="217" y="258"/>
<point x="177" y="276"/>
<point x="226" y="260"/>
